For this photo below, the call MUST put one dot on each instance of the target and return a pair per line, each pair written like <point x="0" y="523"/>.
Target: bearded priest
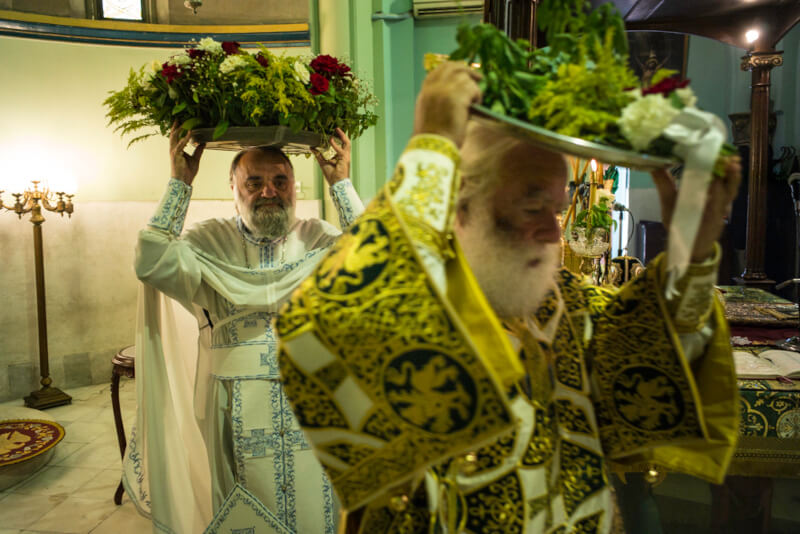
<point x="214" y="430"/>
<point x="451" y="377"/>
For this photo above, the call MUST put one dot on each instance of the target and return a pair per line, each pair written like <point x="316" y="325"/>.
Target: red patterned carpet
<point x="22" y="439"/>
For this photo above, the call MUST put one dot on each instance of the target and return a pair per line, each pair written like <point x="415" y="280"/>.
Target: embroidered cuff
<point x="425" y="181"/>
<point x="171" y="212"/>
<point x="342" y="194"/>
<point x="692" y="308"/>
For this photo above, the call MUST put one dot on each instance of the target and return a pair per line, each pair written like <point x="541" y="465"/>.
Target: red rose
<point x="326" y="65"/>
<point x="230" y="47"/>
<point x="262" y="60"/>
<point x="343" y="70"/>
<point x="196" y="53"/>
<point x="665" y="86"/>
<point x="170" y="72"/>
<point x="319" y="84"/>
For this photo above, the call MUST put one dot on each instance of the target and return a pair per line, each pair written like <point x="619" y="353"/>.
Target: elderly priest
<point x="451" y="377"/>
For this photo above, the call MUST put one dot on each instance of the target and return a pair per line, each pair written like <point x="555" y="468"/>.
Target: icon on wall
<point x="651" y="51"/>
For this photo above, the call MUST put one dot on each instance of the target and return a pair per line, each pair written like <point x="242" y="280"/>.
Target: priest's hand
<point x="443" y="103"/>
<point x="721" y="194"/>
<point x="183" y="166"/>
<point x="337" y="168"/>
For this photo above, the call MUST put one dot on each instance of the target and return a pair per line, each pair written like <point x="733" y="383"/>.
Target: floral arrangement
<point x="580" y="85"/>
<point x="218" y="85"/>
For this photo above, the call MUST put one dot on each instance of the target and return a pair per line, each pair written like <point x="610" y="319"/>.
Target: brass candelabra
<point x="32" y="201"/>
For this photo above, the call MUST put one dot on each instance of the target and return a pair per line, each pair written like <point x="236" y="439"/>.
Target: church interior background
<point x="53" y="129"/>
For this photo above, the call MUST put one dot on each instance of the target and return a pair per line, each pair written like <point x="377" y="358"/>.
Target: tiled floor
<point x="74" y="492"/>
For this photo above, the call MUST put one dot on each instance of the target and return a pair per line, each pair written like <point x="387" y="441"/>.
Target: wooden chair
<point x="122" y="365"/>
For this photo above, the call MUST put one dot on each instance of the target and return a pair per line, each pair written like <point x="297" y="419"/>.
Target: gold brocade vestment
<point x="427" y="414"/>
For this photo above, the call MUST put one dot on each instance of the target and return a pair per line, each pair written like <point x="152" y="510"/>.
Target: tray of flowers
<point x="231" y="98"/>
<point x="578" y="95"/>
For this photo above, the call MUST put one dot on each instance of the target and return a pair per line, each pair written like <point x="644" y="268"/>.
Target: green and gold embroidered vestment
<point x="428" y="414"/>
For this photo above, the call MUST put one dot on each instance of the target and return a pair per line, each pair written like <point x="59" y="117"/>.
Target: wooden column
<point x="760" y="64"/>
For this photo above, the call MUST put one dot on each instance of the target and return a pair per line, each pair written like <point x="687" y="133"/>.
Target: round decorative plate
<point x="239" y="137"/>
<point x="22" y="439"/>
<point x="573" y="145"/>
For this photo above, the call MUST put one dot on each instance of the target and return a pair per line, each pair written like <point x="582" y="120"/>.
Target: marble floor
<point x="74" y="492"/>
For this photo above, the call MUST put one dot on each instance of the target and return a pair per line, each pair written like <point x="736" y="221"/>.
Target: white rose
<point x="301" y="72"/>
<point x="687" y="96"/>
<point x="180" y="59"/>
<point x="232" y="63"/>
<point x="210" y="45"/>
<point x="603" y="195"/>
<point x="643" y="120"/>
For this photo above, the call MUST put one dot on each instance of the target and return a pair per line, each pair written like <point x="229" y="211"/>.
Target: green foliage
<point x="585" y="97"/>
<point x="513" y="75"/>
<point x="567" y="23"/>
<point x="507" y="83"/>
<point x="595" y="217"/>
<point x="215" y="89"/>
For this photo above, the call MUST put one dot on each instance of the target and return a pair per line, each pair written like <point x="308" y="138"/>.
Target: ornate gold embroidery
<point x="573" y="417"/>
<point x="426" y="199"/>
<point x="496" y="507"/>
<point x="491" y="456"/>
<point x="331" y="375"/>
<point x="349" y="453"/>
<point x="310" y="402"/>
<point x="381" y="426"/>
<point x="435" y="143"/>
<point x="581" y="474"/>
<point x="430" y="390"/>
<point x="357" y="261"/>
<point x="644" y="394"/>
<point x="589" y="524"/>
<point x="386" y="325"/>
<point x="647" y="398"/>
<point x="543" y="440"/>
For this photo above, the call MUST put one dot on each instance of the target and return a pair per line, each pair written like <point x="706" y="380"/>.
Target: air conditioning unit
<point x="446" y="8"/>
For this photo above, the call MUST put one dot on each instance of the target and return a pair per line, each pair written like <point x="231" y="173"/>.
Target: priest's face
<point x="509" y="231"/>
<point x="264" y="193"/>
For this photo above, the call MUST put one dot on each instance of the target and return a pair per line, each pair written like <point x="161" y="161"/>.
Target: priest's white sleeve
<point x="164" y="261"/>
<point x="347" y="202"/>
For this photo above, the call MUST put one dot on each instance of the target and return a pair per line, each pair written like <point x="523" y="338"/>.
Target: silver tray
<point x="239" y="137"/>
<point x="573" y="145"/>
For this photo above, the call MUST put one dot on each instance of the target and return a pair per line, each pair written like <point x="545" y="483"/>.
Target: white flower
<point x="173" y="94"/>
<point x="636" y="93"/>
<point x="604" y="196"/>
<point x="301" y="72"/>
<point x="643" y="120"/>
<point x="210" y="45"/>
<point x="687" y="96"/>
<point x="155" y="66"/>
<point x="232" y="63"/>
<point x="180" y="59"/>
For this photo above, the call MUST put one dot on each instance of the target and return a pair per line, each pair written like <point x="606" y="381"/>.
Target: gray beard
<point x="269" y="221"/>
<point x="513" y="289"/>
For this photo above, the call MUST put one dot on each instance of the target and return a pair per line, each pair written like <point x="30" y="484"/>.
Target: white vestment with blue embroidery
<point x="213" y="414"/>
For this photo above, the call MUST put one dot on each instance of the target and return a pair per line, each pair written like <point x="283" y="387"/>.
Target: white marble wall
<point x="90" y="287"/>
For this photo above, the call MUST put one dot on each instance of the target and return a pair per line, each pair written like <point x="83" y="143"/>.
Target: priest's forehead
<point x="530" y="170"/>
<point x="258" y="154"/>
